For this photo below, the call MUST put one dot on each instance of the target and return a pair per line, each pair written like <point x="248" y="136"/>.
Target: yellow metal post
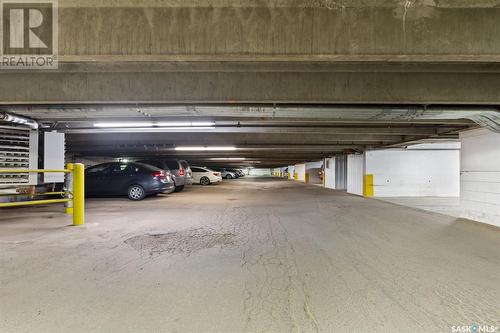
<point x="306" y="178"/>
<point x="78" y="194"/>
<point x="69" y="187"/>
<point x="368" y="188"/>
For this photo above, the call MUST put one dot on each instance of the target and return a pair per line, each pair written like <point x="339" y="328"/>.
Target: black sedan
<point x="136" y="180"/>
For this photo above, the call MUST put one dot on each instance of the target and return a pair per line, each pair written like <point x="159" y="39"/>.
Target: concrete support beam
<point x="250" y="87"/>
<point x="298" y="51"/>
<point x="296" y="27"/>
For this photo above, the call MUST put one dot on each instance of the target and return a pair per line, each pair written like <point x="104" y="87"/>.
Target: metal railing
<point x="75" y="199"/>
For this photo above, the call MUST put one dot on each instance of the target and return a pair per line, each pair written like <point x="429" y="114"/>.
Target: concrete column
<point x="480" y="176"/>
<point x="300" y="171"/>
<point x="355" y="174"/>
<point x="330" y="173"/>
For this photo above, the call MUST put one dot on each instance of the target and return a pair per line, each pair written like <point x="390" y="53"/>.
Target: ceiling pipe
<point x="484" y="116"/>
<point x="8" y="117"/>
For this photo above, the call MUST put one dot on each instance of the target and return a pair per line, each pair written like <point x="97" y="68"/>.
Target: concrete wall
<point x="422" y="171"/>
<point x="300" y="169"/>
<point x="313" y="169"/>
<point x="480" y="176"/>
<point x="355" y="174"/>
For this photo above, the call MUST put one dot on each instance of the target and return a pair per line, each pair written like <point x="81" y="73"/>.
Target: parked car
<point x="238" y="172"/>
<point x="136" y="180"/>
<point x="226" y="174"/>
<point x="180" y="170"/>
<point x="205" y="176"/>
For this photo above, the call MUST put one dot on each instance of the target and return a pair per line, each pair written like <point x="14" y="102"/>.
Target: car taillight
<point x="159" y="174"/>
<point x="182" y="172"/>
<point x="216" y="174"/>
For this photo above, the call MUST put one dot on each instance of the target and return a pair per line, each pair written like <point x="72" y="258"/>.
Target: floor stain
<point x="184" y="242"/>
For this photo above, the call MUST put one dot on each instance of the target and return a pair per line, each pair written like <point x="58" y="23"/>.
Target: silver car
<point x="180" y="170"/>
<point x="226" y="174"/>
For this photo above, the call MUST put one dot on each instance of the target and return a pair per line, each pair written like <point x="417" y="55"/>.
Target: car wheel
<point x="136" y="192"/>
<point x="204" y="181"/>
<point x="229" y="177"/>
<point x="179" y="188"/>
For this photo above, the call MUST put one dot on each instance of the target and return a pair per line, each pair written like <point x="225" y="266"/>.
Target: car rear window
<point x="146" y="167"/>
<point x="159" y="164"/>
<point x="173" y="165"/>
<point x="185" y="164"/>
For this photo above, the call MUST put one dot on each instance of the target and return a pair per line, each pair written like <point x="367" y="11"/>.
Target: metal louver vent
<point x="15" y="144"/>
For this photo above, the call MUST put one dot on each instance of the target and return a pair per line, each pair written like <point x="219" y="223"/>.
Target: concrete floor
<point x="441" y="205"/>
<point x="250" y="255"/>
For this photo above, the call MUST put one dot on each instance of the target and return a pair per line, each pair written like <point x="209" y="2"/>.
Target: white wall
<point x="330" y="173"/>
<point x="259" y="172"/>
<point x="291" y="170"/>
<point x="355" y="174"/>
<point x="300" y="169"/>
<point x="418" y="172"/>
<point x="480" y="176"/>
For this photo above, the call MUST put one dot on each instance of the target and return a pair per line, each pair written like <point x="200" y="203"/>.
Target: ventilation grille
<point x="14" y="154"/>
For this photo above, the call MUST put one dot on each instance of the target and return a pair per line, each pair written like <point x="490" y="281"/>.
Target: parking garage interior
<point x="367" y="135"/>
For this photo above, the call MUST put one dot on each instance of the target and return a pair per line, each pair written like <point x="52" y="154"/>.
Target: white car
<point x="205" y="176"/>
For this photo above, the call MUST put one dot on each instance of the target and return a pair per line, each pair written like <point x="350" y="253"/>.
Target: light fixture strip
<point x="200" y="148"/>
<point x="170" y="124"/>
<point x="227" y="159"/>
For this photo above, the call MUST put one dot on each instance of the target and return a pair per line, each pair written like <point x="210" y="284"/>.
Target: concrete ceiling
<point x="289" y="81"/>
<point x="262" y="135"/>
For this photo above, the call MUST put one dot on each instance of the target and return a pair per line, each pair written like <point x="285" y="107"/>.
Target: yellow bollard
<point x="78" y="194"/>
<point x="368" y="186"/>
<point x="69" y="187"/>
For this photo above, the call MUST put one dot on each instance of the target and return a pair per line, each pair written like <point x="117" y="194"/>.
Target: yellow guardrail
<point x="75" y="199"/>
<point x="36" y="194"/>
<point x="33" y="202"/>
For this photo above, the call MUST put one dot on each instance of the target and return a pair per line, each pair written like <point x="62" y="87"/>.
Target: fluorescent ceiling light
<point x="184" y="123"/>
<point x="205" y="148"/>
<point x="189" y="128"/>
<point x="125" y="124"/>
<point x="173" y="124"/>
<point x="227" y="159"/>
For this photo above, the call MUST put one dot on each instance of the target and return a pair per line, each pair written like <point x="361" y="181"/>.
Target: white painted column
<point x="355" y="174"/>
<point x="480" y="176"/>
<point x="330" y="172"/>
<point x="300" y="169"/>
